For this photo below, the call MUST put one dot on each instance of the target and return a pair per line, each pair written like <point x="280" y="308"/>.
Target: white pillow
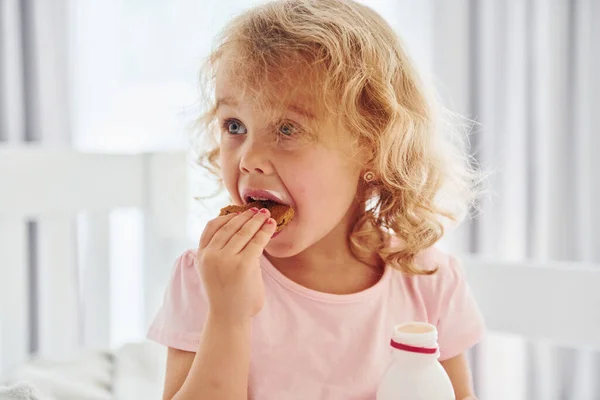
<point x="134" y="371"/>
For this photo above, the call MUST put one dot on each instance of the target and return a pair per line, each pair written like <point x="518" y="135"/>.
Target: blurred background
<point x="120" y="77"/>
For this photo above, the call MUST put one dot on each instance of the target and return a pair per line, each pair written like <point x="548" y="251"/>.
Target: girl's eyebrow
<point x="301" y="111"/>
<point x="231" y="102"/>
<point x="226" y="101"/>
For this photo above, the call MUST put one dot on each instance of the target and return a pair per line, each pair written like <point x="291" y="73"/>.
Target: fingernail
<point x="254" y="209"/>
<point x="263" y="211"/>
<point x="238" y="213"/>
<point x="270" y="221"/>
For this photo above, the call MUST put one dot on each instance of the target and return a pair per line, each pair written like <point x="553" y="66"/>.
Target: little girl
<point x="317" y="106"/>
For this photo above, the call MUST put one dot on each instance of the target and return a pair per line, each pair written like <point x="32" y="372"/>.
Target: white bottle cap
<point x="416" y="337"/>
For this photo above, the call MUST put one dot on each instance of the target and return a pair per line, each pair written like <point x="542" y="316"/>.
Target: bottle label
<point x="413" y="349"/>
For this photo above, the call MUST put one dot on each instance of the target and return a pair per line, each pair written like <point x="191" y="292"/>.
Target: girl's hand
<point x="228" y="263"/>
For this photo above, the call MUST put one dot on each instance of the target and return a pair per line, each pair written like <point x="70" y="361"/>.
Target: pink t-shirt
<point x="312" y="345"/>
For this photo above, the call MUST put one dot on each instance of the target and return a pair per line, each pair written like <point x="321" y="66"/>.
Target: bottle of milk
<point x="415" y="372"/>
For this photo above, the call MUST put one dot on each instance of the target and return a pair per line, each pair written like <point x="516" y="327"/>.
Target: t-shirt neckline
<point x="315" y="295"/>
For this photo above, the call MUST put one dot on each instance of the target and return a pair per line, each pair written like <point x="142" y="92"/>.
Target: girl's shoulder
<point x="184" y="275"/>
<point x="180" y="318"/>
<point x="185" y="262"/>
<point x="445" y="265"/>
<point x="448" y="279"/>
<point x="447" y="301"/>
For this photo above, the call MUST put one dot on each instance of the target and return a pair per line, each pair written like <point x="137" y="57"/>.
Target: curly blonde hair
<point x="361" y="71"/>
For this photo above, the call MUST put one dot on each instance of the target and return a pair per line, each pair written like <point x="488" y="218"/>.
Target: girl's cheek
<point x="228" y="162"/>
<point x="229" y="175"/>
<point x="299" y="188"/>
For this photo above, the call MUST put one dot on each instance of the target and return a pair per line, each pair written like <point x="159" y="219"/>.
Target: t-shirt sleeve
<point x="180" y="318"/>
<point x="453" y="309"/>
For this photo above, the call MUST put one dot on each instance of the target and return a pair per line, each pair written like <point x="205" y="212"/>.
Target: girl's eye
<point x="234" y="127"/>
<point x="287" y="129"/>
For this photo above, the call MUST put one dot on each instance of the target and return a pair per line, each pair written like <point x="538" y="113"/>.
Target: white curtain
<point x="34" y="108"/>
<point x="34" y="71"/>
<point x="527" y="72"/>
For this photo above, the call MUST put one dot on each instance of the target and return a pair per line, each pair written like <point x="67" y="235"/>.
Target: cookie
<point x="281" y="213"/>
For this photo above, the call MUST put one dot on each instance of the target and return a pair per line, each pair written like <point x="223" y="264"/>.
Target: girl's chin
<point x="281" y="245"/>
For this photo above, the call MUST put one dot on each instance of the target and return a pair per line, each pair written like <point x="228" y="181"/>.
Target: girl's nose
<point x="255" y="158"/>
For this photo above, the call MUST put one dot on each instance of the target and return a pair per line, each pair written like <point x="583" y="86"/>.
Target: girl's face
<point x="293" y="156"/>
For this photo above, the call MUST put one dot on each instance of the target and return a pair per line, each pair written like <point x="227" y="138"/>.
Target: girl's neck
<point x="329" y="278"/>
<point x="330" y="266"/>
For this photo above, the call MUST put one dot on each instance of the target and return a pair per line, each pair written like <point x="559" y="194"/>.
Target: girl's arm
<point x="219" y="370"/>
<point x="228" y="261"/>
<point x="179" y="363"/>
<point x="458" y="370"/>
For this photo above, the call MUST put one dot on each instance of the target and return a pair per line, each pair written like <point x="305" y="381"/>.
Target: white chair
<point x="63" y="305"/>
<point x="554" y="302"/>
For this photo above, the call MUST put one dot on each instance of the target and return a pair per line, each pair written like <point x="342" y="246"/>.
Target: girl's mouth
<point x="281" y="213"/>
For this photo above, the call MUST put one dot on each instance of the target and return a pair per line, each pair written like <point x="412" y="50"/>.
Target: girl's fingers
<point x="255" y="247"/>
<point x="212" y="227"/>
<point x="224" y="234"/>
<point x="240" y="239"/>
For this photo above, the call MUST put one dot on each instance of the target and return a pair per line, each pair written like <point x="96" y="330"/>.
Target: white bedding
<point x="134" y="371"/>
